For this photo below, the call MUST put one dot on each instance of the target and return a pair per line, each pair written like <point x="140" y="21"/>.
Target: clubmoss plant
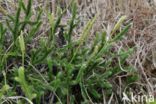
<point x="58" y="69"/>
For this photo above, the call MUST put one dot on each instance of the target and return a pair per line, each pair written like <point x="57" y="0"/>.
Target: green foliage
<point x="22" y="46"/>
<point x="27" y="89"/>
<point x="67" y="70"/>
<point x="152" y="102"/>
